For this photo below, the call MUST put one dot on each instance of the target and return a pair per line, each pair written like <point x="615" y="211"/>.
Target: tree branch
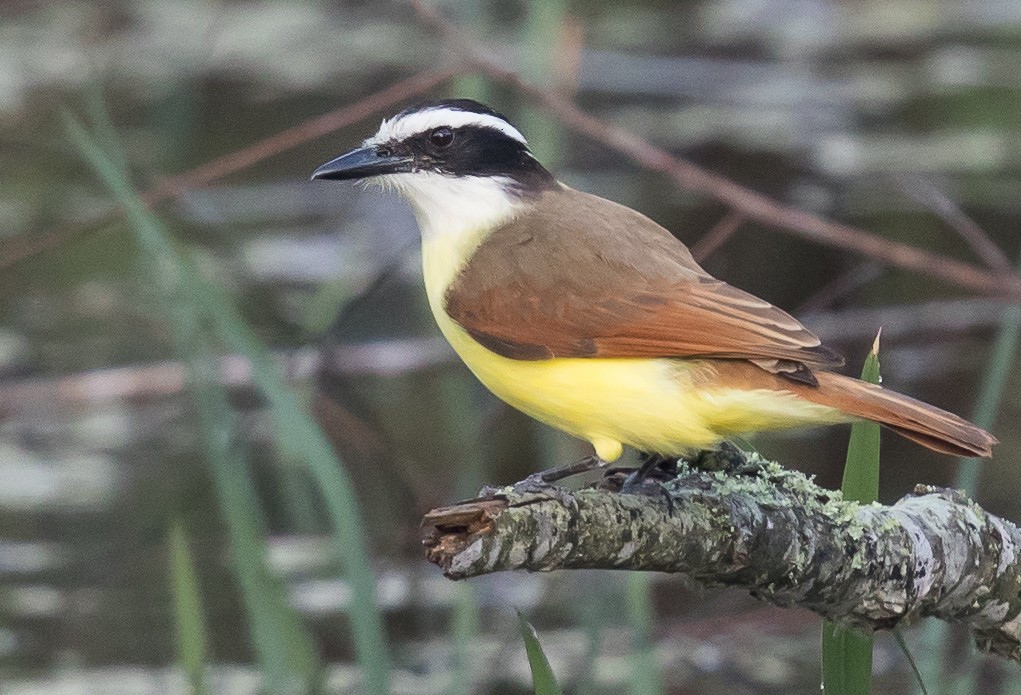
<point x="751" y="524"/>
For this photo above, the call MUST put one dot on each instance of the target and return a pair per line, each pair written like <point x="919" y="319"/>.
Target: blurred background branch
<point x="172" y="187"/>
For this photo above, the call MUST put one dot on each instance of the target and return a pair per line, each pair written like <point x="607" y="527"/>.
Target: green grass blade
<point x="192" y="644"/>
<point x="902" y="643"/>
<point x="284" y="645"/>
<point x="994" y="381"/>
<point x="465" y="637"/>
<point x="542" y="33"/>
<point x="285" y="648"/>
<point x="542" y="675"/>
<point x="103" y="129"/>
<point x="645" y="676"/>
<point x="593" y="616"/>
<point x="463" y="425"/>
<point x="846" y="661"/>
<point x="847" y="655"/>
<point x="480" y="20"/>
<point x="861" y="470"/>
<point x="954" y="677"/>
<point x="297" y="434"/>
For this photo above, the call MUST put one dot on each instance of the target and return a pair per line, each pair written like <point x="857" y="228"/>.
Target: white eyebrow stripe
<point x="421" y="121"/>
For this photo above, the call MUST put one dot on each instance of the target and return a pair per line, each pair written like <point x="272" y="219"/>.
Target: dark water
<point x="873" y="112"/>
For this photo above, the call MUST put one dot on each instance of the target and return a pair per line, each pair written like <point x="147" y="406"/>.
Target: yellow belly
<point x="667" y="406"/>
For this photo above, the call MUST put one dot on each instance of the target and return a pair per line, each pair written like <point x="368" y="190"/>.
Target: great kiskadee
<point x="592" y="318"/>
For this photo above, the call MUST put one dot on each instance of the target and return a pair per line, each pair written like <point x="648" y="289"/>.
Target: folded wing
<point x="613" y="283"/>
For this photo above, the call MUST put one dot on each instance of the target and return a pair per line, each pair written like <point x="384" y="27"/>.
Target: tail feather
<point x="920" y="422"/>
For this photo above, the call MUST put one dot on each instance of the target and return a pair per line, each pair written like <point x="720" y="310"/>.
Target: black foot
<point x="646" y="480"/>
<point x="655" y="467"/>
<point x="650" y="476"/>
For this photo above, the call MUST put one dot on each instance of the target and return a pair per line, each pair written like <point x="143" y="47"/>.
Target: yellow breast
<point x="660" y="405"/>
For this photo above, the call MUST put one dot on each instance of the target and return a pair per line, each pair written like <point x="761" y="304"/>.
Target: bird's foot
<point x="725" y="457"/>
<point x="655" y="467"/>
<point x="542" y="482"/>
<point x="648" y="479"/>
<point x="533" y="484"/>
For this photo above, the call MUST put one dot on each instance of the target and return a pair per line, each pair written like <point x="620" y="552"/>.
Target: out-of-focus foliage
<point x="876" y="112"/>
<point x="846" y="654"/>
<point x="543" y="680"/>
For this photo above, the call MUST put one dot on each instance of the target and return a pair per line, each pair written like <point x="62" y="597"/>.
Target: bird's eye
<point x="441" y="137"/>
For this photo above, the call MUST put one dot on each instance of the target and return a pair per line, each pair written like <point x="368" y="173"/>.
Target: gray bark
<point x="752" y="524"/>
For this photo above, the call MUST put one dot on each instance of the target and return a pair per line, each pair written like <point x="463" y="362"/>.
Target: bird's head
<point x="454" y="161"/>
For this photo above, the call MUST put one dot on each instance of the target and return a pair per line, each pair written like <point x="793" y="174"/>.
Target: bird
<point x="592" y="318"/>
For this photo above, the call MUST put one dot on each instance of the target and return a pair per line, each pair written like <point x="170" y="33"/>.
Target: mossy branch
<point x="774" y="532"/>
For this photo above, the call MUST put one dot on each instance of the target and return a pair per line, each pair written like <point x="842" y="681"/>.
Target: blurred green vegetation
<point x="846" y="654"/>
<point x="221" y="421"/>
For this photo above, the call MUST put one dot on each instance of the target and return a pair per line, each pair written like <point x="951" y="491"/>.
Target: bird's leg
<point x="588" y="463"/>
<point x="664" y="466"/>
<point x="657" y="465"/>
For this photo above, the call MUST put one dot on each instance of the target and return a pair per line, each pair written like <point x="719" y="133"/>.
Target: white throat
<point x="456" y="205"/>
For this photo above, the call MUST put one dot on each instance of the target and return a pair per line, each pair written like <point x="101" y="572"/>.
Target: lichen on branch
<point x="752" y="524"/>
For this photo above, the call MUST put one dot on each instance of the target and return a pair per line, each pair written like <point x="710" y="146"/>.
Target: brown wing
<point x="579" y="276"/>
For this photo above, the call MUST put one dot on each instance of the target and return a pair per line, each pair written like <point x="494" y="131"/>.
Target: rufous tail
<point x="920" y="422"/>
